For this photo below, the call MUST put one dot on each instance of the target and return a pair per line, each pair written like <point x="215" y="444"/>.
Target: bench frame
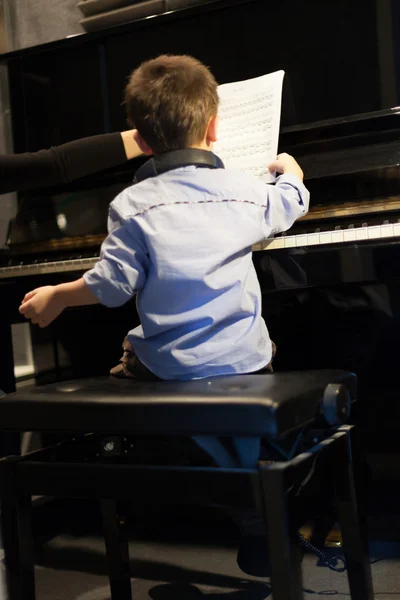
<point x="266" y="487"/>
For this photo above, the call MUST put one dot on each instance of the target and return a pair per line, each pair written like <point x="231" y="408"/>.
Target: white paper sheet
<point x="250" y="114"/>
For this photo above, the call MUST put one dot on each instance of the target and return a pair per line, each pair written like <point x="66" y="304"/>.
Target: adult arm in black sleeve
<point x="65" y="163"/>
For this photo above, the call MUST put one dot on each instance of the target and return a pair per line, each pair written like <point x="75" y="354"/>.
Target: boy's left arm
<point x="43" y="305"/>
<point x="118" y="275"/>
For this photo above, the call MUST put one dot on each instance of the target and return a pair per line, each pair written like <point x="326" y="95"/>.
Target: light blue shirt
<point x="182" y="241"/>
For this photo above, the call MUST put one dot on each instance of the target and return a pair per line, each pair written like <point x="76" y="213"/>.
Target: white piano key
<point x="264" y="244"/>
<point x="349" y="235"/>
<point x="337" y="236"/>
<point x="301" y="240"/>
<point x="374" y="232"/>
<point x="69" y="263"/>
<point x="270" y="245"/>
<point x="387" y="230"/>
<point x="361" y="233"/>
<point x="279" y="242"/>
<point x="313" y="239"/>
<point x="396" y="229"/>
<point x="290" y="241"/>
<point x="325" y="237"/>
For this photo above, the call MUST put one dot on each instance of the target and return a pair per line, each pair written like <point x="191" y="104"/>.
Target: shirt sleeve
<point x="122" y="268"/>
<point x="288" y="200"/>
<point x="60" y="164"/>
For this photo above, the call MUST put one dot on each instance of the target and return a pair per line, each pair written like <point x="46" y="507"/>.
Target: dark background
<point x="328" y="49"/>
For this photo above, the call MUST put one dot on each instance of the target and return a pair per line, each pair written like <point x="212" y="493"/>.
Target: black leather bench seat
<point x="271" y="405"/>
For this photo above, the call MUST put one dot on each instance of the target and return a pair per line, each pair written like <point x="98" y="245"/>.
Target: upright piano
<point x="331" y="285"/>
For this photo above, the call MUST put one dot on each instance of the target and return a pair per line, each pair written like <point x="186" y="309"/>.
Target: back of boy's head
<point x="170" y="100"/>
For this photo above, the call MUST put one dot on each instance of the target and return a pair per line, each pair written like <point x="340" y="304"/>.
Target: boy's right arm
<point x="288" y="199"/>
<point x="286" y="164"/>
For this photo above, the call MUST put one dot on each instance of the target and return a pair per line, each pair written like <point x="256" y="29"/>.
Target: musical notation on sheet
<point x="250" y="113"/>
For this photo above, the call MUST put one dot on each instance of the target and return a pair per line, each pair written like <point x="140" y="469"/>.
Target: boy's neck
<point x="203" y="146"/>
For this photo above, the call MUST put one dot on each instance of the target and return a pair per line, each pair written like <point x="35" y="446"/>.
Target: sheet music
<point x="250" y="113"/>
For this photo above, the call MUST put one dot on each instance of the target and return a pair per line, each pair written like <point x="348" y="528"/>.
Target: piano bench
<point x="270" y="407"/>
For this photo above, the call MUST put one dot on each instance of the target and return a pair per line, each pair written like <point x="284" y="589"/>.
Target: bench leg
<point x="284" y="551"/>
<point x="16" y="507"/>
<point x="117" y="549"/>
<point x="352" y="520"/>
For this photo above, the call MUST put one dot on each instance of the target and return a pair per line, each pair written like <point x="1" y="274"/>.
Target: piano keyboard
<point x="316" y="238"/>
<point x="47" y="268"/>
<point x="335" y="236"/>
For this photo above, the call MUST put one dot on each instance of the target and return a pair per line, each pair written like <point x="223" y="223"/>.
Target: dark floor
<point x="73" y="569"/>
<point x="182" y="556"/>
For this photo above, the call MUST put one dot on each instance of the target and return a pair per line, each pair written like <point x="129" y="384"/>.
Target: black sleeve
<point x="60" y="164"/>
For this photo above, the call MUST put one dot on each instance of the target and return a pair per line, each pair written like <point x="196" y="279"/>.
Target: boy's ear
<point x="141" y="143"/>
<point x="212" y="130"/>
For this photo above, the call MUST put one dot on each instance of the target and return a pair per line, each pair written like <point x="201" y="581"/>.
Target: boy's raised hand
<point x="284" y="163"/>
<point x="42" y="306"/>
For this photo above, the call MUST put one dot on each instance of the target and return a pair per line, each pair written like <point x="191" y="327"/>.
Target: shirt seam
<point x="179" y="202"/>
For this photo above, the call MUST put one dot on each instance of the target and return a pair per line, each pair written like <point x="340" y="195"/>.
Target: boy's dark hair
<point x="170" y="100"/>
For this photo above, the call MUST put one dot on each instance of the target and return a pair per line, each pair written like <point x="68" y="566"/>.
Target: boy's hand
<point x="42" y="306"/>
<point x="285" y="163"/>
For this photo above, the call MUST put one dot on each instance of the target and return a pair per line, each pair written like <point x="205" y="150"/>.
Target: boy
<point x="181" y="240"/>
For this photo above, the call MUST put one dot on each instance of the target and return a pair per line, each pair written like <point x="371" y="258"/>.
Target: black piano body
<point x="331" y="285"/>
